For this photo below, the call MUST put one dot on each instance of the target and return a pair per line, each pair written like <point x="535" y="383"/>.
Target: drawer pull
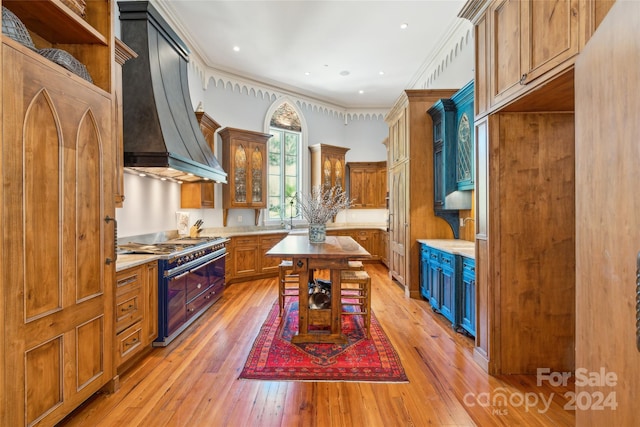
<point x="132" y="342"/>
<point x="127" y="280"/>
<point x="127" y="308"/>
<point x="199" y="285"/>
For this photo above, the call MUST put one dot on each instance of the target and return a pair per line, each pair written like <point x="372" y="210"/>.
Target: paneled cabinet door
<point x="467" y="307"/>
<point x="425" y="282"/>
<point x="528" y="39"/>
<point x="328" y="167"/>
<point x="398" y="211"/>
<point x="368" y="184"/>
<point x="57" y="169"/>
<point x="244" y="157"/>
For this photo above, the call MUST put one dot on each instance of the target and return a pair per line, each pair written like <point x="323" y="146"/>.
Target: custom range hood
<point x="161" y="134"/>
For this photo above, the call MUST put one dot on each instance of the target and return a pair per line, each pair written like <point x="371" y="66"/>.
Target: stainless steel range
<point x="191" y="277"/>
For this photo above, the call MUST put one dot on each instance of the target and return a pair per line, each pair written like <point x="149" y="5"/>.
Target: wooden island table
<point x="333" y="255"/>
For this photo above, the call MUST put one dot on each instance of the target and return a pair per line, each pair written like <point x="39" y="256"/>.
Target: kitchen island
<point x="333" y="255"/>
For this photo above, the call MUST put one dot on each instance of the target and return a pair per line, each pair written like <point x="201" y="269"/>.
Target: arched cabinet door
<point x="58" y="184"/>
<point x="328" y="166"/>
<point x="244" y="158"/>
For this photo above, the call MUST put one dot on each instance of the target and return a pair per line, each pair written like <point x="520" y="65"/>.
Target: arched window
<point x="285" y="157"/>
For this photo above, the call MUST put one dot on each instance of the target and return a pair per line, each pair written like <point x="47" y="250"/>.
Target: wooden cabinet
<point x="136" y="322"/>
<point x="246" y="258"/>
<point x="328" y="166"/>
<point x="383" y="248"/>
<point x="58" y="164"/>
<point x="522" y="44"/>
<point x="368" y="184"/>
<point x="528" y="157"/>
<point x="411" y="163"/>
<point x="194" y="195"/>
<point x="122" y="54"/>
<point x="244" y="158"/>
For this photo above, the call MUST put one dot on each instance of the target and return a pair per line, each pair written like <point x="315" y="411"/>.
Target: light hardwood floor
<point x="194" y="381"/>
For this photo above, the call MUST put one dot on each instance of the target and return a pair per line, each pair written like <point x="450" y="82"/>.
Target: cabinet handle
<point x="132" y="342"/>
<point x="127" y="308"/>
<point x="523" y="79"/>
<point x="108" y="219"/>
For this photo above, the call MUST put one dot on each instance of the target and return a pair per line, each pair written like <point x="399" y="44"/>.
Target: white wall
<point x="150" y="205"/>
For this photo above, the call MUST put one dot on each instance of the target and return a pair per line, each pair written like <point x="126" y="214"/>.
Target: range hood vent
<point x="161" y="133"/>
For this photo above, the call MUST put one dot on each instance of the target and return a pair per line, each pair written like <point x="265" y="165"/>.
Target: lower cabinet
<point x="447" y="281"/>
<point x="468" y="295"/>
<point x="136" y="322"/>
<point x="247" y="258"/>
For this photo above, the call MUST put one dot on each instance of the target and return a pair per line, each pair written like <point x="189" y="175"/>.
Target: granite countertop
<point x="125" y="261"/>
<point x="454" y="246"/>
<point x="250" y="231"/>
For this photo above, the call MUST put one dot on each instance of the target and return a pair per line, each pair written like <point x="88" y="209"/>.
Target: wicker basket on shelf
<point x="13" y="27"/>
<point x="78" y="6"/>
<point x="66" y="60"/>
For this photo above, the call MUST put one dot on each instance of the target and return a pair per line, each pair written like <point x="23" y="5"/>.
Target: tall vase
<point x="317" y="233"/>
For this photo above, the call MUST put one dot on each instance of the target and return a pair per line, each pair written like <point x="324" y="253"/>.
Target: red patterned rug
<point x="273" y="357"/>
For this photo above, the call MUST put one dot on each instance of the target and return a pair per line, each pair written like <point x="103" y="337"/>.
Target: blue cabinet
<point x="448" y="281"/>
<point x="464" y="162"/>
<point x="468" y="296"/>
<point x="443" y="115"/>
<point x="425" y="288"/>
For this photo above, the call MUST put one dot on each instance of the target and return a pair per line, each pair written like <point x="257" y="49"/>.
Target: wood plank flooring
<point x="194" y="381"/>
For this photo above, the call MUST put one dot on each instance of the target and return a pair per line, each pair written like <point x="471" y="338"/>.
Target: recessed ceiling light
<point x="344" y="73"/>
<point x="306" y="73"/>
<point x="381" y="73"/>
<point x="360" y="91"/>
<point x="142" y="174"/>
<point x="236" y="48"/>
<point x="404" y="26"/>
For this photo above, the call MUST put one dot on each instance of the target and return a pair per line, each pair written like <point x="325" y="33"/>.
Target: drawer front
<point x="245" y="241"/>
<point x="447" y="259"/>
<point x="128" y="279"/>
<point x="129" y="308"/>
<point x="469" y="265"/>
<point x="128" y="343"/>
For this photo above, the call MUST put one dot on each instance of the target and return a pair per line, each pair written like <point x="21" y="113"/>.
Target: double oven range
<point x="191" y="277"/>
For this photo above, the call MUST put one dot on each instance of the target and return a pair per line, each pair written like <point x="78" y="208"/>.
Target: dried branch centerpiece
<point x="320" y="207"/>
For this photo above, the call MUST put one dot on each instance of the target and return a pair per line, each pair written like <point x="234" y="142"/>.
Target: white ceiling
<point x="280" y="41"/>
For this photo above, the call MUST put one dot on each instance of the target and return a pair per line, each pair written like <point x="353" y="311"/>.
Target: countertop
<point x="251" y="231"/>
<point x="454" y="246"/>
<point x="125" y="261"/>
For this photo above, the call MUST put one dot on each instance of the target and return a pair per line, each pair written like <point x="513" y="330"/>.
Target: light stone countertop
<point x="464" y="248"/>
<point x="250" y="231"/>
<point x="125" y="261"/>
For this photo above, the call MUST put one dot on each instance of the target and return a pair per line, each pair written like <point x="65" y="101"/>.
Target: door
<point x="607" y="206"/>
<point x="398" y="204"/>
<point x="57" y="171"/>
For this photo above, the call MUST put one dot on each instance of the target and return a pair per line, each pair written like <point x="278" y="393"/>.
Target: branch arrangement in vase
<point x="321" y="206"/>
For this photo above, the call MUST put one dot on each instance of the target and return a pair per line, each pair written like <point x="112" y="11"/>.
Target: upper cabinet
<point x="522" y="44"/>
<point x="328" y="166"/>
<point x="244" y="158"/>
<point x="453" y="150"/>
<point x="194" y="195"/>
<point x="443" y="115"/>
<point x="463" y="100"/>
<point x="368" y="184"/>
<point x="85" y="33"/>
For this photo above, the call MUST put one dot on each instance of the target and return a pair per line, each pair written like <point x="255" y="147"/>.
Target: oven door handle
<point x="180" y="275"/>
<point x="209" y="262"/>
